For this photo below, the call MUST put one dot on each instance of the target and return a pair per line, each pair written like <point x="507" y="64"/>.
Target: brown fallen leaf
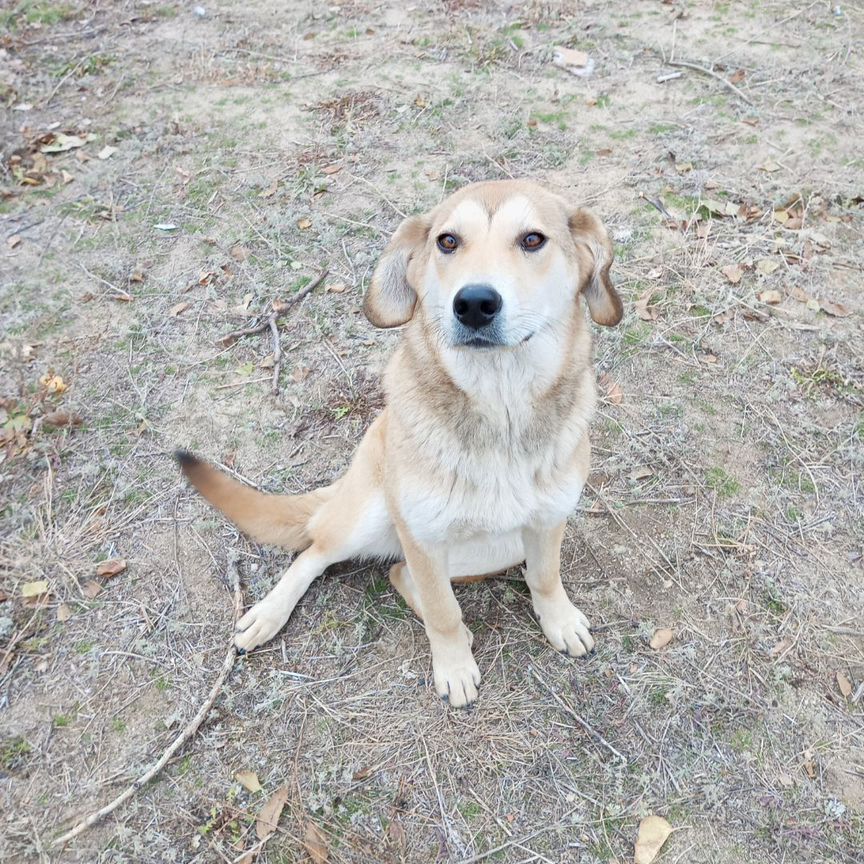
<point x="331" y="169"/>
<point x="733" y="273"/>
<point x="268" y="817"/>
<point x="796" y="293"/>
<point x="248" y="780"/>
<point x="613" y="390"/>
<point x="653" y="833"/>
<point x="179" y="309"/>
<point x="301" y="373"/>
<point x="137" y="276"/>
<point x="315" y="843"/>
<point x="641" y="473"/>
<point x="304" y="224"/>
<point x="35" y="589"/>
<point x="91" y="588"/>
<point x="837" y="310"/>
<point x="61" y="418"/>
<point x="737" y="76"/>
<point x="53" y="383"/>
<point x="809" y="765"/>
<point x="239" y="252"/>
<point x="335" y="288"/>
<point x="641" y="306"/>
<point x="661" y="638"/>
<point x="64" y="612"/>
<point x="111" y="568"/>
<point x="569" y="57"/>
<point x="844" y="684"/>
<point x="770" y="297"/>
<point x="267" y="362"/>
<point x="13" y="241"/>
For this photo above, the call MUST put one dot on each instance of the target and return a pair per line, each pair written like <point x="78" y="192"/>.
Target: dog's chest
<point x="494" y="480"/>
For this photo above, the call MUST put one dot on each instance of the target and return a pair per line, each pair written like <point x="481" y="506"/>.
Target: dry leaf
<point x="331" y="169"/>
<point x="335" y="287"/>
<point x="838" y="310"/>
<point x="733" y="273"/>
<point x="766" y="266"/>
<point x="64" y="612"/>
<point x="785" y="779"/>
<point x="737" y="76"/>
<point x="613" y="391"/>
<point x="653" y="833"/>
<point x="798" y="294"/>
<point x="641" y="473"/>
<point x="641" y="306"/>
<point x="270" y="191"/>
<point x="315" y="843"/>
<point x="239" y="253"/>
<point x="61" y="418"/>
<point x="61" y="143"/>
<point x="13" y="241"/>
<point x="179" y="309"/>
<point x="34" y="589"/>
<point x="301" y="373"/>
<point x="304" y="224"/>
<point x="248" y="780"/>
<point x="769" y="167"/>
<point x="267" y="362"/>
<point x="844" y="684"/>
<point x="771" y="297"/>
<point x="111" y="568"/>
<point x="268" y="818"/>
<point x="661" y="638"/>
<point x="137" y="276"/>
<point x="106" y="152"/>
<point x="91" y="588"/>
<point x="809" y="766"/>
<point x="53" y="383"/>
<point x="569" y="57"/>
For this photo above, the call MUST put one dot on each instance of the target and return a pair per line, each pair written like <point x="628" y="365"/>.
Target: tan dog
<point x="482" y="450"/>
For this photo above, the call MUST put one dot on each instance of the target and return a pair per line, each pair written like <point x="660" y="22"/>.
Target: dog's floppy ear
<point x="595" y="259"/>
<point x="390" y="299"/>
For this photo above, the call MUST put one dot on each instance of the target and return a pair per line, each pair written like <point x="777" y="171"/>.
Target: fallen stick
<point x="696" y="68"/>
<point x="584" y="724"/>
<point x="190" y="729"/>
<point x="230" y="338"/>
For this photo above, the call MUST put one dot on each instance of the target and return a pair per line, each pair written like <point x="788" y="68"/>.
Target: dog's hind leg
<point x="352" y="523"/>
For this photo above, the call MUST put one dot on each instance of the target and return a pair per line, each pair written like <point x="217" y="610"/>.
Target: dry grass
<point x="725" y="501"/>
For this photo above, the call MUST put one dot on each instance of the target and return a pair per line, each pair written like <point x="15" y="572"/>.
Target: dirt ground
<point x="167" y="172"/>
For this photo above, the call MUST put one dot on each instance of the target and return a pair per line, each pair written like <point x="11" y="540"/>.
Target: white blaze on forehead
<point x="514" y="216"/>
<point x="468" y="220"/>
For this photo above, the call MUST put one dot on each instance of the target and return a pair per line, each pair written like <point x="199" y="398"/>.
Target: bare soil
<point x="279" y="139"/>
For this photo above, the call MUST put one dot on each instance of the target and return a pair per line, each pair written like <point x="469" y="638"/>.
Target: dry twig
<point x="269" y="323"/>
<point x="190" y="729"/>
<point x="696" y="68"/>
<point x="583" y="723"/>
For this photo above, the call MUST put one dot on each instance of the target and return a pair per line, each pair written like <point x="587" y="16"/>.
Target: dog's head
<point x="494" y="264"/>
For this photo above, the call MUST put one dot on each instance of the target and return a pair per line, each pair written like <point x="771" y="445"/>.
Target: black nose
<point x="476" y="305"/>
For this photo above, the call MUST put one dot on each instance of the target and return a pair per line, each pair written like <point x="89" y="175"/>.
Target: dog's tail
<point x="278" y="520"/>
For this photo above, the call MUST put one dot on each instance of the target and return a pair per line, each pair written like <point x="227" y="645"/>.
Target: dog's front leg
<point x="453" y="667"/>
<point x="564" y="625"/>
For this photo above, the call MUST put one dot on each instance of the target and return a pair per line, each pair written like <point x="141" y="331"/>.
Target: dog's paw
<point x="457" y="682"/>
<point x="567" y="629"/>
<point x="260" y="624"/>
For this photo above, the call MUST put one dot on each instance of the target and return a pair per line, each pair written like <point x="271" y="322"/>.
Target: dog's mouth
<point x="487" y="342"/>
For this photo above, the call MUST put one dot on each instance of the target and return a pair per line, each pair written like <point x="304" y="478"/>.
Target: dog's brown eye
<point x="533" y="241"/>
<point x="447" y="243"/>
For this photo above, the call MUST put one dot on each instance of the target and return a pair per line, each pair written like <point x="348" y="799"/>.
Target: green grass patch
<point x="722" y="483"/>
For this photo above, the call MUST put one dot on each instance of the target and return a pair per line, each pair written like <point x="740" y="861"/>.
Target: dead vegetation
<point x="168" y="175"/>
